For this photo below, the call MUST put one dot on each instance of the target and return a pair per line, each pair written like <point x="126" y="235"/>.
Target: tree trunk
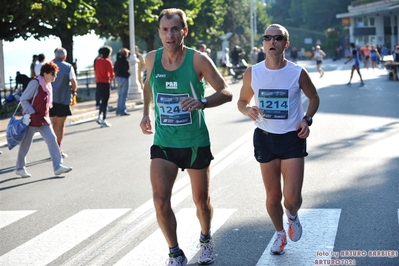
<point x="150" y="40"/>
<point x="67" y="44"/>
<point x="125" y="41"/>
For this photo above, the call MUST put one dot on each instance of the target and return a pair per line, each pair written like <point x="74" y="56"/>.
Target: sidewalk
<point x="86" y="109"/>
<point x="81" y="111"/>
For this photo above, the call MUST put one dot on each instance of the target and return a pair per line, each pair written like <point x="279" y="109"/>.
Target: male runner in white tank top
<point x="282" y="129"/>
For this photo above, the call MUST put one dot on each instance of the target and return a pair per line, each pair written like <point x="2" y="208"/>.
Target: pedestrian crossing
<point x="61" y="238"/>
<point x="10" y="217"/>
<point x="54" y="242"/>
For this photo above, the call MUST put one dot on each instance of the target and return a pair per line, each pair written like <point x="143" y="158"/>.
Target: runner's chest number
<point x="274" y="103"/>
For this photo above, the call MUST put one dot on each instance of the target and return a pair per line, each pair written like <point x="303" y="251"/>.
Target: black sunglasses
<point x="53" y="74"/>
<point x="276" y="38"/>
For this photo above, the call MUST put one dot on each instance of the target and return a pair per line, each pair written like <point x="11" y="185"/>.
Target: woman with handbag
<point x="36" y="101"/>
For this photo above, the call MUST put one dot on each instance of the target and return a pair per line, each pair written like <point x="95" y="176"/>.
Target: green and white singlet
<point x="175" y="128"/>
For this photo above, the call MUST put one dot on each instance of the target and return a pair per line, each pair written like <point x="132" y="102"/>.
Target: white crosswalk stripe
<point x="51" y="244"/>
<point x="154" y="249"/>
<point x="9" y="217"/>
<point x="319" y="229"/>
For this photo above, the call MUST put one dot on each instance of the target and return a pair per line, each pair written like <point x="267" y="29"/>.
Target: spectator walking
<point x="40" y="58"/>
<point x="294" y="55"/>
<point x="236" y="55"/>
<point x="104" y="75"/>
<point x="366" y="54"/>
<point x="33" y="65"/>
<point x="254" y="55"/>
<point x="375" y="57"/>
<point x="97" y="95"/>
<point x="384" y="51"/>
<point x="36" y="101"/>
<point x="121" y="69"/>
<point x="261" y="55"/>
<point x="64" y="88"/>
<point x="225" y="61"/>
<point x="140" y="66"/>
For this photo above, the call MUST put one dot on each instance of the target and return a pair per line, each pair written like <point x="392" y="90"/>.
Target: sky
<point x="18" y="53"/>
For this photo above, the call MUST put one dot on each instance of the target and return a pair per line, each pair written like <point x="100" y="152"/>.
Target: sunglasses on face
<point x="53" y="74"/>
<point x="276" y="38"/>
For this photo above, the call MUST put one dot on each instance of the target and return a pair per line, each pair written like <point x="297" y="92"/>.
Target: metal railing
<point x="85" y="78"/>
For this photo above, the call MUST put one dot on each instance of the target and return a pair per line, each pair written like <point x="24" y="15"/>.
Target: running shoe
<point x="23" y="173"/>
<point x="64" y="155"/>
<point x="279" y="244"/>
<point x="99" y="120"/>
<point x="295" y="229"/>
<point x="105" y="124"/>
<point x="62" y="170"/>
<point x="206" y="256"/>
<point x="180" y="260"/>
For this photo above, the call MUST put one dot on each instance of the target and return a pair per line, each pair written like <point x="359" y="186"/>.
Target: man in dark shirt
<point x="21" y="79"/>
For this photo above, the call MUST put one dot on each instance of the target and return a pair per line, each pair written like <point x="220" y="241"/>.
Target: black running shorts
<point x="191" y="158"/>
<point x="269" y="146"/>
<point x="60" y="110"/>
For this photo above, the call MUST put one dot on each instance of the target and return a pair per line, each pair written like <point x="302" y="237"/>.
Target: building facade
<point x="375" y="22"/>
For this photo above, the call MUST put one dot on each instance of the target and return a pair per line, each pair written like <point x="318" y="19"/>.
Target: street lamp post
<point x="135" y="91"/>
<point x="251" y="16"/>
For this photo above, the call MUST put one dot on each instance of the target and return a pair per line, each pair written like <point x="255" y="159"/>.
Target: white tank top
<point x="278" y="94"/>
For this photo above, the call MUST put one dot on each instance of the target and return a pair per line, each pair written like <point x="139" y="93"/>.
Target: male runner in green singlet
<point x="175" y="86"/>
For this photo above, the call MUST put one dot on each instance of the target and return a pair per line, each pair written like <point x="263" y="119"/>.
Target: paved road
<point x="101" y="213"/>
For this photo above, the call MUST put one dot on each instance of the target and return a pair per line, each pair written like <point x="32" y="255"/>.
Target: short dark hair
<point x="48" y="68"/>
<point x="170" y="12"/>
<point x="106" y="51"/>
<point x="352" y="45"/>
<point x="41" y="57"/>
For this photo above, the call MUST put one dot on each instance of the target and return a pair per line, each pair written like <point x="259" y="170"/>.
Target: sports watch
<point x="204" y="101"/>
<point x="308" y="120"/>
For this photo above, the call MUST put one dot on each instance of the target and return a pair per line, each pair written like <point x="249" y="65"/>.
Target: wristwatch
<point x="204" y="101"/>
<point x="308" y="120"/>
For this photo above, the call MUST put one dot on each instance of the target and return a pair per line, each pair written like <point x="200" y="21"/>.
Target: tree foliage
<point x="113" y="20"/>
<point x="61" y="18"/>
<point x="208" y="19"/>
<point x="309" y="19"/>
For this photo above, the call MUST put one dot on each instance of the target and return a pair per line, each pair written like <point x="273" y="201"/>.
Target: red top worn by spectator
<point x="104" y="70"/>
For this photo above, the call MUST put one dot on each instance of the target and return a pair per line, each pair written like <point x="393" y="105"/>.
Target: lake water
<point x="18" y="54"/>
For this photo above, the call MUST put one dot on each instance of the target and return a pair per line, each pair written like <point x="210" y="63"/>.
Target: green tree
<point x="61" y="18"/>
<point x="204" y="17"/>
<point x="113" y="20"/>
<point x="309" y="19"/>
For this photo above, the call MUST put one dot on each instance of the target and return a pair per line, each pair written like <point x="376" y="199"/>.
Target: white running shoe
<point x="206" y="256"/>
<point x="279" y="244"/>
<point x="105" y="124"/>
<point x="62" y="170"/>
<point x="99" y="120"/>
<point x="177" y="261"/>
<point x="23" y="173"/>
<point x="295" y="229"/>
